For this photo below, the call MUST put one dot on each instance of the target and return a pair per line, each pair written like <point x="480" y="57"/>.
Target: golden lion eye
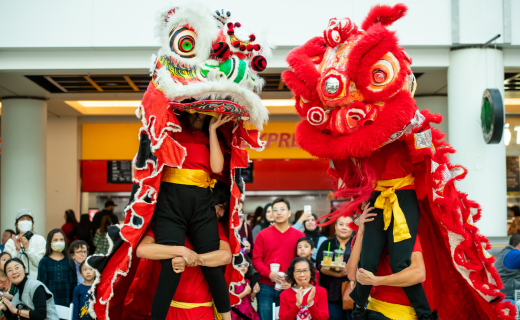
<point x="384" y="72"/>
<point x="182" y="42"/>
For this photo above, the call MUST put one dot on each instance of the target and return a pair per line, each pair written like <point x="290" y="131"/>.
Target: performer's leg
<point x="374" y="240"/>
<point x="373" y="315"/>
<point x="401" y="252"/>
<point x="203" y="234"/>
<point x="169" y="228"/>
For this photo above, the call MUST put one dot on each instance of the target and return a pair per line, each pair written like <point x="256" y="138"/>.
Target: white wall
<point x="62" y="170"/>
<point x="111" y="23"/>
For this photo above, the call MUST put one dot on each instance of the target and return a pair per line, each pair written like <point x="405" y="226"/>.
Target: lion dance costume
<point x="354" y="91"/>
<point x="206" y="65"/>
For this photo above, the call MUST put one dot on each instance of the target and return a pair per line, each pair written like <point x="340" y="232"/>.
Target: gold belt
<point x="188" y="305"/>
<point x="391" y="310"/>
<point x="387" y="201"/>
<point x="190" y="177"/>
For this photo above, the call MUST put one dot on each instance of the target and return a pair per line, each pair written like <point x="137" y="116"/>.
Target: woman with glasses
<point x="32" y="301"/>
<point x="303" y="300"/>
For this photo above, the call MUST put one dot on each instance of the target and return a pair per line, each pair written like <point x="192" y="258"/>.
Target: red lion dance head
<point x="354" y="92"/>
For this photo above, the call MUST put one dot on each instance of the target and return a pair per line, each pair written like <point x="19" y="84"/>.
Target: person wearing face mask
<point x="56" y="270"/>
<point x="26" y="245"/>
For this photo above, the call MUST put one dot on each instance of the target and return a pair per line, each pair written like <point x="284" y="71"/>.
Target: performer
<point x="354" y="91"/>
<point x="206" y="72"/>
<point x="387" y="298"/>
<point x="192" y="299"/>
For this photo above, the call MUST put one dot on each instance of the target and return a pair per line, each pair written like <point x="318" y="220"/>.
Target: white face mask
<point x="58" y="246"/>
<point x="25" y="225"/>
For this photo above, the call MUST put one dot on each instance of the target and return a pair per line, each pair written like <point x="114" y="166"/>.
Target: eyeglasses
<point x="243" y="264"/>
<point x="304" y="271"/>
<point x="281" y="210"/>
<point x="80" y="252"/>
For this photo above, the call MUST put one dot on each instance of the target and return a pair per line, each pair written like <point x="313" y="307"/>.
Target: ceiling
<point x="120" y="83"/>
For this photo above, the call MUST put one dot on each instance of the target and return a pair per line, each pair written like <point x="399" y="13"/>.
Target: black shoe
<point x="359" y="313"/>
<point x="433" y="316"/>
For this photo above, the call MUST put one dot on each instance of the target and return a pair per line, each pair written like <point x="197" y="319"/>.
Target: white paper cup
<point x="278" y="286"/>
<point x="275" y="267"/>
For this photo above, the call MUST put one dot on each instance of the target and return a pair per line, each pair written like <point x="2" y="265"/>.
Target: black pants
<point x="187" y="210"/>
<point x="374" y="241"/>
<point x="373" y="315"/>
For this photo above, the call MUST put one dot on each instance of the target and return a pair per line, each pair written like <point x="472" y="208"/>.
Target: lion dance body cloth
<point x="354" y="91"/>
<point x="206" y="65"/>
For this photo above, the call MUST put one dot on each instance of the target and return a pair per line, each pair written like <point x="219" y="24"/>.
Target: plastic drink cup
<point x="278" y="286"/>
<point x="327" y="258"/>
<point x="338" y="256"/>
<point x="275" y="267"/>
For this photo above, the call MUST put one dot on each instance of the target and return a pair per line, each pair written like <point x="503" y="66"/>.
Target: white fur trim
<point x="215" y="90"/>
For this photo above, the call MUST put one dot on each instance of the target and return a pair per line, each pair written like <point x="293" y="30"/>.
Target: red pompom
<point x="257" y="47"/>
<point x="235" y="43"/>
<point x="259" y="63"/>
<point x="252" y="37"/>
<point x="231" y="32"/>
<point x="250" y="47"/>
<point x="230" y="25"/>
<point x="237" y="24"/>
<point x="242" y="47"/>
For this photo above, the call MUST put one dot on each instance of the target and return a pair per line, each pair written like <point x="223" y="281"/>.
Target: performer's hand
<point x="192" y="258"/>
<point x="366" y="216"/>
<point x="256" y="288"/>
<point x="276" y="278"/>
<point x="310" y="298"/>
<point x="247" y="246"/>
<point x="178" y="264"/>
<point x="299" y="297"/>
<point x="215" y="123"/>
<point x="17" y="243"/>
<point x="366" y="278"/>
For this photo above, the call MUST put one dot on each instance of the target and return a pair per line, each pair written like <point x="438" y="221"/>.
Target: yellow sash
<point x="387" y="201"/>
<point x="391" y="310"/>
<point x="190" y="177"/>
<point x="188" y="305"/>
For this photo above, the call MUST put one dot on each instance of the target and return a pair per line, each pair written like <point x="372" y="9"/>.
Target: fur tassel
<point x="384" y="14"/>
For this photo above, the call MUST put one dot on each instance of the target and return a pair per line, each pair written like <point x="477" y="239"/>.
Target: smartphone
<point x="307" y="209"/>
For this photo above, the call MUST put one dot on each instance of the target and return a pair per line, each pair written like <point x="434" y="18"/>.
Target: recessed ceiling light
<point x="111" y="84"/>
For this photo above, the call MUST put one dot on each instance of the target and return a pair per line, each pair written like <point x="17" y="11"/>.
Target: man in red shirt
<point x="275" y="244"/>
<point x="387" y="298"/>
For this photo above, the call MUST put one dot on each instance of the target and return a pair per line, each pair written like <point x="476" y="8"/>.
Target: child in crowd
<point x="305" y="249"/>
<point x="245" y="293"/>
<point x="81" y="296"/>
<point x="78" y="253"/>
<point x="56" y="270"/>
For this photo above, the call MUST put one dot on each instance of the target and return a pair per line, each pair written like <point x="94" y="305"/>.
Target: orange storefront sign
<point x="280" y="143"/>
<point x="119" y="141"/>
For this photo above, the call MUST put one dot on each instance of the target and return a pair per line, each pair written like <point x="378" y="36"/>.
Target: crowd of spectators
<point x="38" y="274"/>
<point x="284" y="265"/>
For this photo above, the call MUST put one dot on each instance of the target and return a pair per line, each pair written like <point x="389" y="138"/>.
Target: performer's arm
<point x="414" y="274"/>
<point x="216" y="158"/>
<point x="221" y="257"/>
<point x="148" y="249"/>
<point x="353" y="261"/>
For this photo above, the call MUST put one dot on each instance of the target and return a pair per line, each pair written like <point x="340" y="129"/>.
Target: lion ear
<point x="384" y="14"/>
